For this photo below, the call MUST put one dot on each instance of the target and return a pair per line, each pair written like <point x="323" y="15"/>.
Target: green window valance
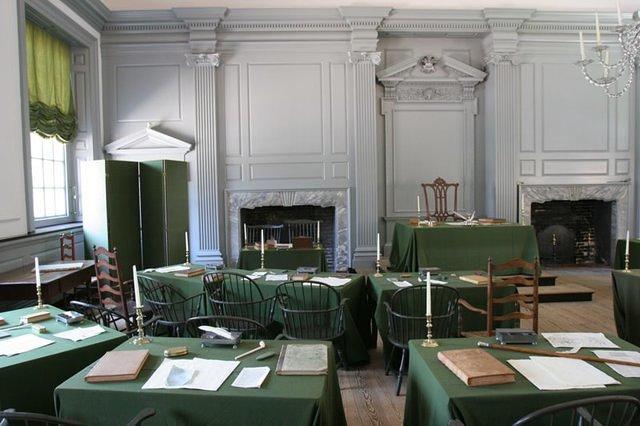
<point x="49" y="74"/>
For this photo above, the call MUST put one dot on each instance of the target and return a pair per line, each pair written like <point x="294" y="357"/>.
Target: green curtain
<point x="49" y="73"/>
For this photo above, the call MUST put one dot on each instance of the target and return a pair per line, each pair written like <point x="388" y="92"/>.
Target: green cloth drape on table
<point x="458" y="247"/>
<point x="357" y="318"/>
<point x="282" y="400"/>
<point x="434" y="392"/>
<point x="381" y="290"/>
<point x="626" y="304"/>
<point x="289" y="259"/>
<point x="27" y="380"/>
<point x="634" y="254"/>
<point x="51" y="111"/>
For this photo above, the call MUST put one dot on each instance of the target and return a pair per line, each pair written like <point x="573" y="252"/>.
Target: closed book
<point x="475" y="279"/>
<point x="117" y="366"/>
<point x="492" y="220"/>
<point x="302" y="360"/>
<point x="191" y="272"/>
<point x="475" y="367"/>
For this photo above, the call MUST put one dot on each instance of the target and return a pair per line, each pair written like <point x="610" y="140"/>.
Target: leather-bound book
<point x="117" y="366"/>
<point x="475" y="279"/>
<point x="476" y="367"/>
<point x="191" y="272"/>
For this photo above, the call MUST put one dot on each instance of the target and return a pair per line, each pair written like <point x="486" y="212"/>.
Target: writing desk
<point x="27" y="380"/>
<point x="626" y="304"/>
<point x="357" y="315"/>
<point x="460" y="247"/>
<point x="288" y="258"/>
<point x="20" y="284"/>
<point x="282" y="400"/>
<point x="435" y="394"/>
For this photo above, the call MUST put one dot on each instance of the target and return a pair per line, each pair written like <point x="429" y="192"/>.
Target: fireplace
<point x="280" y="215"/>
<point x="573" y="232"/>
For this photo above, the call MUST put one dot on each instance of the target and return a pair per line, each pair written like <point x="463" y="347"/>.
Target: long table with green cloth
<point x="27" y="380"/>
<point x="459" y="247"/>
<point x="435" y="395"/>
<point x="626" y="304"/>
<point x="634" y="254"/>
<point x="291" y="258"/>
<point x="381" y="289"/>
<point x="282" y="400"/>
<point x="357" y="318"/>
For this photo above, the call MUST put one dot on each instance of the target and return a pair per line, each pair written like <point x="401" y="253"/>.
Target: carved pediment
<point x="148" y="144"/>
<point x="430" y="79"/>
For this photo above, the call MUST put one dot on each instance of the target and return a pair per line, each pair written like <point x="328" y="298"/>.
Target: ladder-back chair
<point x="113" y="293"/>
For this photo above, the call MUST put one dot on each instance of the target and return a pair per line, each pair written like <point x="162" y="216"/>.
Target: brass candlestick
<point x="40" y="305"/>
<point x="186" y="257"/>
<point x="262" y="259"/>
<point x="429" y="342"/>
<point x="141" y="339"/>
<point x="626" y="262"/>
<point x="378" y="274"/>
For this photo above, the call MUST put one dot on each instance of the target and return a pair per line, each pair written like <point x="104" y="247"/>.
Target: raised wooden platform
<point x="561" y="293"/>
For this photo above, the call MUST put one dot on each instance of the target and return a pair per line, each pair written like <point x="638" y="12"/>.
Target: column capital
<point x="364" y="23"/>
<point x="202" y="59"/>
<point x="501" y="44"/>
<point x="374" y="57"/>
<point x="202" y="24"/>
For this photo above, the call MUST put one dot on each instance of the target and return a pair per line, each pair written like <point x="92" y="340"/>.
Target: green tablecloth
<point x="455" y="247"/>
<point x="626" y="304"/>
<point x="357" y="317"/>
<point x="381" y="290"/>
<point x="282" y="400"/>
<point x="634" y="254"/>
<point x="283" y="258"/>
<point x="433" y="392"/>
<point x="27" y="380"/>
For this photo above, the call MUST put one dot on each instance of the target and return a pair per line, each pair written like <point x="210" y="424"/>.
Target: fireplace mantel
<point x="618" y="192"/>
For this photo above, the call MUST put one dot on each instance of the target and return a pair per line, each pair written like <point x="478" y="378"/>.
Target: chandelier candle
<point x="598" y="39"/>
<point x="583" y="55"/>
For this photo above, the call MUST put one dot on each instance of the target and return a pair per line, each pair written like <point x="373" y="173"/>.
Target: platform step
<point x="561" y="293"/>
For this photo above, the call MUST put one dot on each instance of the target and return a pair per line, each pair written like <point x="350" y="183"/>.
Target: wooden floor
<point x="369" y="396"/>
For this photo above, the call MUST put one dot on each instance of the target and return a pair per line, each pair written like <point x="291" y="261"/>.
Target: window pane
<point x="61" y="202"/>
<point x="36" y="146"/>
<point x="58" y="150"/>
<point x="38" y="203"/>
<point x="49" y="202"/>
<point x="47" y="172"/>
<point x="58" y="169"/>
<point x="47" y="149"/>
<point x="36" y="173"/>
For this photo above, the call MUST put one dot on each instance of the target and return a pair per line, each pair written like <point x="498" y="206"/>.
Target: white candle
<point x="318" y="233"/>
<point x="245" y="234"/>
<point x="619" y="13"/>
<point x="136" y="288"/>
<point x="38" y="283"/>
<point x="262" y="241"/>
<point x="582" y="53"/>
<point x="418" y="203"/>
<point x="428" y="293"/>
<point x="597" y="29"/>
<point x="626" y="249"/>
<point x="378" y="248"/>
<point x="186" y="240"/>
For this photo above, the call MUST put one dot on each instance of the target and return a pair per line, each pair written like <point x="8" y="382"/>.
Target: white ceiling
<point x="568" y="5"/>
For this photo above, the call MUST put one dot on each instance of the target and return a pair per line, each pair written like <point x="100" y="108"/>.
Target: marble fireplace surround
<point x="338" y="199"/>
<point x="617" y="192"/>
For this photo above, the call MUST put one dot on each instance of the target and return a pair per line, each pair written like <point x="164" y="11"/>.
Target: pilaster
<point x="364" y="23"/>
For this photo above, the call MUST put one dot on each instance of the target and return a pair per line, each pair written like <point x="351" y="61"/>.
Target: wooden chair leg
<point x="389" y="361"/>
<point x="400" y="371"/>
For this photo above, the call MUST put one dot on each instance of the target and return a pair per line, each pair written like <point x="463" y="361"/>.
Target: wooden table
<point x="20" y="284"/>
<point x="291" y="258"/>
<point x="626" y="304"/>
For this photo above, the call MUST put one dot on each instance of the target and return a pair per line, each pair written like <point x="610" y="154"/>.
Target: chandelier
<point x="615" y="73"/>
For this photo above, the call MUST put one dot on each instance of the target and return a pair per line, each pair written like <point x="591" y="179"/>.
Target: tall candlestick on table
<point x="141" y="339"/>
<point x="626" y="253"/>
<point x="246" y="241"/>
<point x="262" y="249"/>
<point x="186" y="247"/>
<point x="136" y="288"/>
<point x="418" y="205"/>
<point x="38" y="284"/>
<point x="377" y="274"/>
<point x="318" y="235"/>
<point x="428" y="293"/>
<point x="429" y="342"/>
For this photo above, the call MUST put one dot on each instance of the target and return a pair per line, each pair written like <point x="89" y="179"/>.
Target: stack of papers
<point x="554" y="373"/>
<point x="174" y="268"/>
<point x="579" y="340"/>
<point x="277" y="277"/>
<point x="623" y="370"/>
<point x="400" y="284"/>
<point x="257" y="275"/>
<point x="332" y="281"/>
<point x="78" y="334"/>
<point x="251" y="377"/>
<point x="21" y="344"/>
<point x="196" y="373"/>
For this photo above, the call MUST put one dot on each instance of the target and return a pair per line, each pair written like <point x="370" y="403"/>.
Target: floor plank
<point x="369" y="396"/>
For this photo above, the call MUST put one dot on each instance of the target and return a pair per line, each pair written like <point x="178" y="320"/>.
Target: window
<point x="49" y="181"/>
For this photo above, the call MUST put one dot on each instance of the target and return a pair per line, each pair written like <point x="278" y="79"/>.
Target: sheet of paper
<point x="173" y="268"/>
<point x="256" y="275"/>
<point x="437" y="281"/>
<point x="402" y="284"/>
<point x="251" y="377"/>
<point x="60" y="266"/>
<point x="80" y="333"/>
<point x="208" y="374"/>
<point x="276" y="277"/>
<point x="576" y="372"/>
<point x="623" y="370"/>
<point x="21" y="344"/>
<point x="545" y="379"/>
<point x="579" y="340"/>
<point x="332" y="281"/>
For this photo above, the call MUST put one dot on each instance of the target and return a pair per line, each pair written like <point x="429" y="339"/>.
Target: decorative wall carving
<point x="148" y="144"/>
<point x="338" y="199"/>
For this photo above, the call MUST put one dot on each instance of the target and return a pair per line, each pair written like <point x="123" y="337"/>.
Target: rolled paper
<point x="136" y="288"/>
<point x="582" y="52"/>
<point x="378" y="248"/>
<point x="428" y="293"/>
<point x="626" y="249"/>
<point x="186" y="240"/>
<point x="38" y="282"/>
<point x="262" y="241"/>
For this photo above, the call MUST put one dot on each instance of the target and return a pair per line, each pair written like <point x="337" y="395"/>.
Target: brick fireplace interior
<point x="573" y="232"/>
<point x="276" y="215"/>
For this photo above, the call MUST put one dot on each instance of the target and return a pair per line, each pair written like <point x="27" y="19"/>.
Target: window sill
<point x="46" y="230"/>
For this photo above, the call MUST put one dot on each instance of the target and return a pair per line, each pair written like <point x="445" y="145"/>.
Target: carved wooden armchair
<point x="440" y="190"/>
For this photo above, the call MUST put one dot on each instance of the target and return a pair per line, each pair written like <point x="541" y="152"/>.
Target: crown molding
<point x="92" y="11"/>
